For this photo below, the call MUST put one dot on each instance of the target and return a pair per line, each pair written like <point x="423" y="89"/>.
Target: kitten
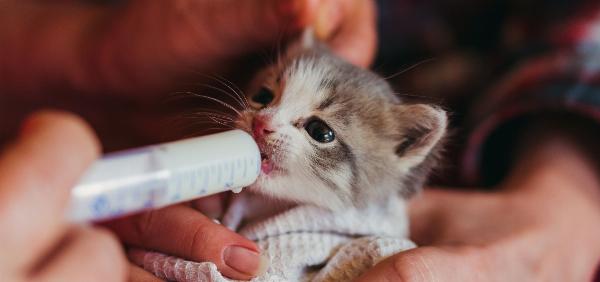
<point x="334" y="135"/>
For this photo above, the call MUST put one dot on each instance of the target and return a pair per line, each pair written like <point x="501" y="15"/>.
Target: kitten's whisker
<point x="201" y="132"/>
<point x="220" y="122"/>
<point x="209" y="114"/>
<point x="212" y="119"/>
<point x="176" y="96"/>
<point x="221" y="80"/>
<point x="202" y="122"/>
<point x="239" y="92"/>
<point x="215" y="100"/>
<point x="207" y="119"/>
<point x="203" y="117"/>
<point x="409" y="68"/>
<point x="234" y="97"/>
<point x="211" y="110"/>
<point x="417" y="96"/>
<point x="209" y="122"/>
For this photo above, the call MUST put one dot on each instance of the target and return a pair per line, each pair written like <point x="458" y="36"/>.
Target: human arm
<point x="114" y="59"/>
<point x="540" y="224"/>
<point x="145" y="47"/>
<point x="535" y="138"/>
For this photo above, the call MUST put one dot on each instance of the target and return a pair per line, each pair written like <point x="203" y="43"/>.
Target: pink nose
<point x="261" y="127"/>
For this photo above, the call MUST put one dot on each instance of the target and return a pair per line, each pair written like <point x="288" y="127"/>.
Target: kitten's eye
<point x="264" y="96"/>
<point x="318" y="130"/>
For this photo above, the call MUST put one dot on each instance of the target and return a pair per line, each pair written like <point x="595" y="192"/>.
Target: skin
<point x="81" y="57"/>
<point x="36" y="173"/>
<point x="540" y="245"/>
<point x="119" y="83"/>
<point x="540" y="224"/>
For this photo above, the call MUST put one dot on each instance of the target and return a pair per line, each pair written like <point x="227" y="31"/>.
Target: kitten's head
<point x="335" y="135"/>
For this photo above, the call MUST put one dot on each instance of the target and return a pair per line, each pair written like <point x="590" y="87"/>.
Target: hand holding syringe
<point x="160" y="175"/>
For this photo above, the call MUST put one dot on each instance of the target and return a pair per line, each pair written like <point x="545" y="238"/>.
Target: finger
<point x="430" y="210"/>
<point x="211" y="206"/>
<point x="355" y="38"/>
<point x="442" y="216"/>
<point x="426" y="216"/>
<point x="169" y="36"/>
<point x="428" y="264"/>
<point x="88" y="255"/>
<point x="170" y="39"/>
<point x="193" y="35"/>
<point x="184" y="232"/>
<point x="36" y="175"/>
<point x="137" y="274"/>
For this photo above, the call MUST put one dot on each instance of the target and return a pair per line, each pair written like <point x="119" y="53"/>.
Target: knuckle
<point x="478" y="256"/>
<point x="415" y="265"/>
<point x="78" y="128"/>
<point x="199" y="246"/>
<point x="68" y="124"/>
<point x="72" y="124"/>
<point x="406" y="268"/>
<point x="142" y="225"/>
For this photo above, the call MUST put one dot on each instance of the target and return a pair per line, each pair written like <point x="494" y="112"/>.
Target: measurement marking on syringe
<point x="231" y="173"/>
<point x="179" y="171"/>
<point x="206" y="174"/>
<point x="219" y="172"/>
<point x="245" y="168"/>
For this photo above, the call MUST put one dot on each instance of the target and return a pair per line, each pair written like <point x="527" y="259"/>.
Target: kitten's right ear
<point x="422" y="128"/>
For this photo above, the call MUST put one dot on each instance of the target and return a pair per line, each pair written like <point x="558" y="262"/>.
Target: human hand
<point x="142" y="49"/>
<point x="36" y="174"/>
<point x="541" y="226"/>
<point x="185" y="232"/>
<point x="137" y="46"/>
<point x="119" y="61"/>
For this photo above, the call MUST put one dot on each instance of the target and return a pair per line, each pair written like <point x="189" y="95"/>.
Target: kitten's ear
<point x="422" y="128"/>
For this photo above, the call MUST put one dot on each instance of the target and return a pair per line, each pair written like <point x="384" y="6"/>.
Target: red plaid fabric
<point x="564" y="80"/>
<point x="491" y="63"/>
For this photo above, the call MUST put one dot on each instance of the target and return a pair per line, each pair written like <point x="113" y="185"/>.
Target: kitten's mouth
<point x="266" y="166"/>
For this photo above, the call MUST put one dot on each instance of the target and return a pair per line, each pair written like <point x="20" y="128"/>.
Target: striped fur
<point x="382" y="145"/>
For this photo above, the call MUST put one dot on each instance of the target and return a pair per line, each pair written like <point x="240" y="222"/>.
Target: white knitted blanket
<point x="304" y="243"/>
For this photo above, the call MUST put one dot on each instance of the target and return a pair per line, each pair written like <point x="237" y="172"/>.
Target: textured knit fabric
<point x="306" y="243"/>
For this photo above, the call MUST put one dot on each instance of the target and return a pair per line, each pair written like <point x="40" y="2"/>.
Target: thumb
<point x="183" y="232"/>
<point x="427" y="211"/>
<point x="425" y="264"/>
<point x="445" y="215"/>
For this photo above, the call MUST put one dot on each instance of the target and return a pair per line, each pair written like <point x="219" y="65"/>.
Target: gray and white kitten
<point x="335" y="135"/>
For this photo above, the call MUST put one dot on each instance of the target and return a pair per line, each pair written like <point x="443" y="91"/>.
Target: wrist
<point x="556" y="174"/>
<point x="561" y="149"/>
<point x="557" y="180"/>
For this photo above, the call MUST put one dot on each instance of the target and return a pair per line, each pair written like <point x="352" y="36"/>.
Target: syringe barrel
<point x="155" y="176"/>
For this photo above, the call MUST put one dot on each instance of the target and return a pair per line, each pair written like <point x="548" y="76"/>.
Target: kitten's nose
<point x="261" y="127"/>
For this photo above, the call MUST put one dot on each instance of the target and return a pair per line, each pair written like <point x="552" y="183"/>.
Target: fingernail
<point x="328" y="16"/>
<point x="245" y="260"/>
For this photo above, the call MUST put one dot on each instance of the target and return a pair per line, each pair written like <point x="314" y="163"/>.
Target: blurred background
<point x="447" y="52"/>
